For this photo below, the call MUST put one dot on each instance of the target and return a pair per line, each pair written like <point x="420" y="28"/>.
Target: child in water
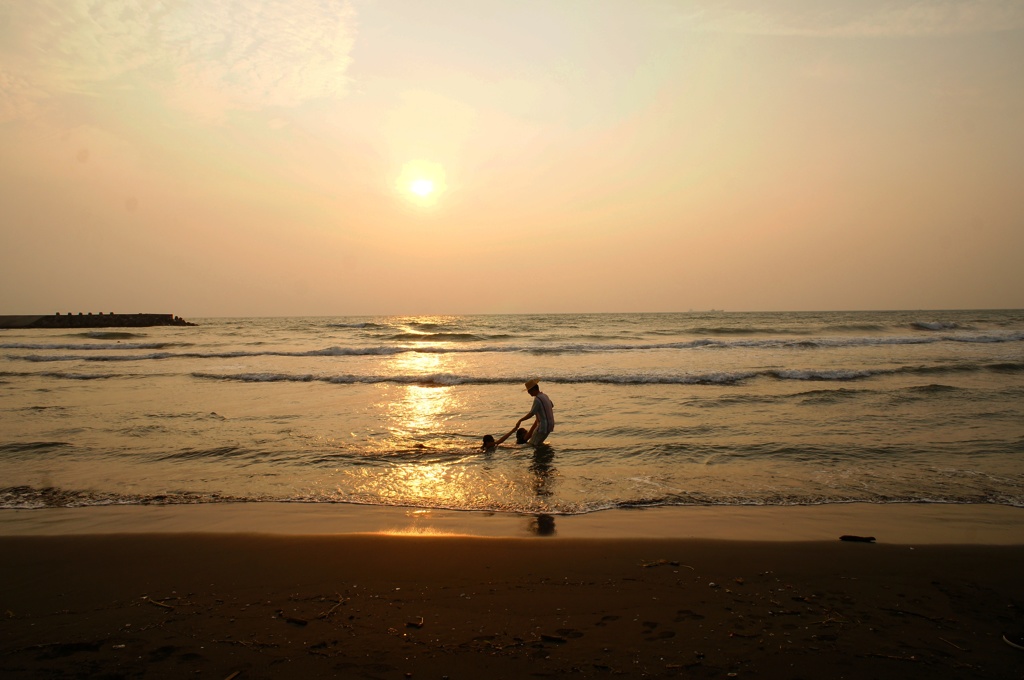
<point x="521" y="438"/>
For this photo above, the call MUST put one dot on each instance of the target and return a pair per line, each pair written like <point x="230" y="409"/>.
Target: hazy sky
<point x="248" y="157"/>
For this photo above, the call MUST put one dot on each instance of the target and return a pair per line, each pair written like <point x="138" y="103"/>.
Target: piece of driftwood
<point x="157" y="603"/>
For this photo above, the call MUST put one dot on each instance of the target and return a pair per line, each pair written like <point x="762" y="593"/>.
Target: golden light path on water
<point x="423" y="454"/>
<point x="423" y="410"/>
<point x="422" y="457"/>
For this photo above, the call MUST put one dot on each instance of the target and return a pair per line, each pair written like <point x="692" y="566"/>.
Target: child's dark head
<point x="488" y="440"/>
<point x="521" y="437"/>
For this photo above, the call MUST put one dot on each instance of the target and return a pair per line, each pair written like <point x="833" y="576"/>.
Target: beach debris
<point x="951" y="644"/>
<point x="249" y="644"/>
<point x="832" y="616"/>
<point x="337" y="603"/>
<point x="663" y="562"/>
<point x="544" y="637"/>
<point x="233" y="675"/>
<point x="147" y="598"/>
<point x="660" y="563"/>
<point x="891" y="656"/>
<point x="291" y="619"/>
<point x="904" y="612"/>
<point x="857" y="539"/>
<point x="415" y="623"/>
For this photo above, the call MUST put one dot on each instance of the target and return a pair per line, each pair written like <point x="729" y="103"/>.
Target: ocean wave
<point x="711" y="378"/>
<point x="745" y="330"/>
<point x="855" y="327"/>
<point x="364" y="324"/>
<point x="434" y="380"/>
<point x="427" y="325"/>
<point x="109" y="335"/>
<point x="49" y="358"/>
<point x="219" y="452"/>
<point x="934" y="325"/>
<point x="539" y="348"/>
<point x="435" y="337"/>
<point x="33" y="498"/>
<point x="91" y="347"/>
<point x="1007" y="367"/>
<point x="654" y="378"/>
<point x="57" y="374"/>
<point x="28" y="447"/>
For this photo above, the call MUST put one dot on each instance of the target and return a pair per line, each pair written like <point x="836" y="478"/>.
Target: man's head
<point x="533" y="387"/>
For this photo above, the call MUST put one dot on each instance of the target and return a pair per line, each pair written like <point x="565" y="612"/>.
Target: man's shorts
<point x="538" y="437"/>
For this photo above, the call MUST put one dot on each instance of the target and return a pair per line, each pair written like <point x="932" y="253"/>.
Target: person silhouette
<point x="543" y="411"/>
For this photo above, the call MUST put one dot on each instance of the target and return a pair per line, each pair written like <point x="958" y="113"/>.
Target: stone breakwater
<point x="91" y="320"/>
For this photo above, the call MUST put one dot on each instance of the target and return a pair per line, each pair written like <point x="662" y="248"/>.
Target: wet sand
<point x="271" y="605"/>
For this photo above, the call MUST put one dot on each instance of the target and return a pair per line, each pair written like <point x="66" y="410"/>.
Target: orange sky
<point x="223" y="158"/>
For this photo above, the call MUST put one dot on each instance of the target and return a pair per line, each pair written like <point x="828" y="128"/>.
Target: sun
<point x="422" y="187"/>
<point x="421" y="182"/>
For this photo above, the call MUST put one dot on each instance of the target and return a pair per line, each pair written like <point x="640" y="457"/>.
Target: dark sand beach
<point x="270" y="605"/>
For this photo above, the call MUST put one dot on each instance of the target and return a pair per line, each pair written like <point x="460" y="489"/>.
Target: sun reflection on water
<point x="423" y="417"/>
<point x="423" y="409"/>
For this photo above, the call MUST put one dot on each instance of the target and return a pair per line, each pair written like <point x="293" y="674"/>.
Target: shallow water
<point x="651" y="409"/>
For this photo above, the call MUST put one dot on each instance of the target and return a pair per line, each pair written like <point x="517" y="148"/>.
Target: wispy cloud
<point x="203" y="56"/>
<point x="18" y="97"/>
<point x="866" y="18"/>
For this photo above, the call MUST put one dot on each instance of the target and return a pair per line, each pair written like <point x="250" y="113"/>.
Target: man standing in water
<point x="543" y="410"/>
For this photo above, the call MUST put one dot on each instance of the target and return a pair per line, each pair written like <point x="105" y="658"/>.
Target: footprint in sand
<point x="605" y="619"/>
<point x="161" y="653"/>
<point x="663" y="635"/>
<point x="687" y="615"/>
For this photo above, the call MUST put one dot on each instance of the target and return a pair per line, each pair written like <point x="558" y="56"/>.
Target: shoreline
<point x="907" y="524"/>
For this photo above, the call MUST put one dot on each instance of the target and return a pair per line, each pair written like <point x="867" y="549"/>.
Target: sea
<point x="676" y="409"/>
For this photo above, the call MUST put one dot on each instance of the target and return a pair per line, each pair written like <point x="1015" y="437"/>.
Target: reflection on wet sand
<point x="542" y="525"/>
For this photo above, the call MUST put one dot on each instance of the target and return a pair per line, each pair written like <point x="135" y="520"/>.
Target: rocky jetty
<point x="91" y="320"/>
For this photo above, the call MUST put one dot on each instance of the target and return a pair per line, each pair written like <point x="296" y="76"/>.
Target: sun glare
<point x="421" y="182"/>
<point x="421" y="187"/>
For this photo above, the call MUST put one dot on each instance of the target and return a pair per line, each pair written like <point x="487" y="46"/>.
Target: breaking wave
<point x="713" y="378"/>
<point x="563" y="348"/>
<point x="33" y="498"/>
